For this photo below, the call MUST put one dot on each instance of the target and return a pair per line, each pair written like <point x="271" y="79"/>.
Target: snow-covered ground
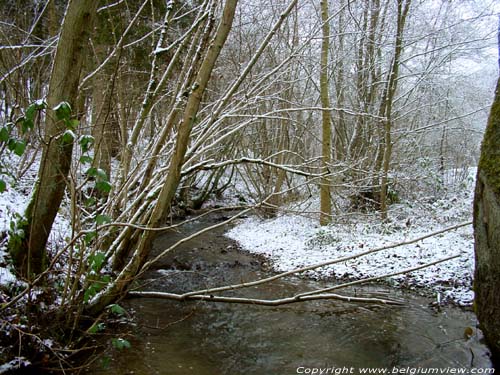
<point x="292" y="241"/>
<point x="13" y="202"/>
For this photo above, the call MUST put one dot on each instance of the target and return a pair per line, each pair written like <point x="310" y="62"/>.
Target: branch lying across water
<point x="319" y="294"/>
<point x="327" y="263"/>
<point x="264" y="302"/>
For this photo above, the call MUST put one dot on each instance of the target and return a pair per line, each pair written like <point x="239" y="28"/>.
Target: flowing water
<point x="203" y="338"/>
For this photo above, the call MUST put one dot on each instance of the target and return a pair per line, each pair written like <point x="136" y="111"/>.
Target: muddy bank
<point x="213" y="338"/>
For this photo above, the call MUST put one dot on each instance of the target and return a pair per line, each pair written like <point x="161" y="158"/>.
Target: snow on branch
<point x="207" y="165"/>
<point x="265" y="302"/>
<point x="327" y="263"/>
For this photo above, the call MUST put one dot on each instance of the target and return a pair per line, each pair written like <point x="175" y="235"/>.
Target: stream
<point x="204" y="338"/>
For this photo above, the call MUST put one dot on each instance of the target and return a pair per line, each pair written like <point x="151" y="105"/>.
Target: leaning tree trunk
<point x="171" y="183"/>
<point x="29" y="253"/>
<point x="487" y="231"/>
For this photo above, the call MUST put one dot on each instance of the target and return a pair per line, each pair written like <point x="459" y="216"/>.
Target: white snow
<point x="292" y="241"/>
<point x="13" y="202"/>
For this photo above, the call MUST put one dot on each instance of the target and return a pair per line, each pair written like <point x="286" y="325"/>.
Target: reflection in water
<point x="209" y="339"/>
<point x="229" y="339"/>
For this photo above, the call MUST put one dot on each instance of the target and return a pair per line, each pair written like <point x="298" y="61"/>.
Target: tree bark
<point x="487" y="232"/>
<point x="387" y="103"/>
<point x="29" y="254"/>
<point x="326" y="144"/>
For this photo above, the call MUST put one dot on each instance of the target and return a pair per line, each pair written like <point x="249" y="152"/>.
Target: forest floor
<point x="292" y="241"/>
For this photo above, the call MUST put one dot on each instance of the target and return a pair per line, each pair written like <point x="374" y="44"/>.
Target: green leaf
<point x="27" y="125"/>
<point x="30" y="112"/>
<point x="86" y="142"/>
<point x="97" y="327"/>
<point x="12" y="144"/>
<point x="19" y="148"/>
<point x="71" y="124"/>
<point x="3" y="186"/>
<point x="102" y="219"/>
<point x="68" y="136"/>
<point x="89" y="293"/>
<point x="91" y="172"/>
<point x="96" y="260"/>
<point x="120" y="343"/>
<point x="101" y="174"/>
<point x="63" y="111"/>
<point x="89" y="237"/>
<point x="90" y="202"/>
<point x="103" y="186"/>
<point x="4" y="134"/>
<point x="117" y="309"/>
<point x="86" y="159"/>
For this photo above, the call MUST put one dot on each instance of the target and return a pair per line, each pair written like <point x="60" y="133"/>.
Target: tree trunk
<point x="29" y="253"/>
<point x="487" y="232"/>
<point x="167" y="193"/>
<point x="387" y="103"/>
<point x="326" y="144"/>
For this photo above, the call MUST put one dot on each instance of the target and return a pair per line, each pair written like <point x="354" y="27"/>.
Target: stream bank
<point x="214" y="338"/>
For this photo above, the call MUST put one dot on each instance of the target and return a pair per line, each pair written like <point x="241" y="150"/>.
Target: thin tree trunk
<point x="29" y="255"/>
<point x="386" y="109"/>
<point x="326" y="146"/>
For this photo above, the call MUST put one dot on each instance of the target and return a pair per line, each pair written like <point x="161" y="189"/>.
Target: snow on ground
<point x="292" y="241"/>
<point x="13" y="202"/>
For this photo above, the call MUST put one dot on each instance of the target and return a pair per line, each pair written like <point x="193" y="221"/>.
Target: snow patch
<point x="293" y="241"/>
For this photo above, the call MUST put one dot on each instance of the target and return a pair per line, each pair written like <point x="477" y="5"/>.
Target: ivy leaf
<point x="89" y="237"/>
<point x="85" y="159"/>
<point x="120" y="343"/>
<point x="19" y="148"/>
<point x="90" y="202"/>
<point x="86" y="142"/>
<point x="96" y="261"/>
<point x="71" y="124"/>
<point x="102" y="219"/>
<point x="101" y="174"/>
<point x="31" y="110"/>
<point x="26" y="125"/>
<point x="97" y="327"/>
<point x="89" y="293"/>
<point x="12" y="144"/>
<point x="40" y="104"/>
<point x="63" y="111"/>
<point x="117" y="309"/>
<point x="103" y="186"/>
<point x="91" y="172"/>
<point x="3" y="186"/>
<point x="68" y="136"/>
<point x="4" y="134"/>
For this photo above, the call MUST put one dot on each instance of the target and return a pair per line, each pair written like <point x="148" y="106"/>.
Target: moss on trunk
<point x="487" y="232"/>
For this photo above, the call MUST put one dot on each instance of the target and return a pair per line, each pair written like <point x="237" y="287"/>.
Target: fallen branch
<point x="262" y="302"/>
<point x="375" y="278"/>
<point x="323" y="264"/>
